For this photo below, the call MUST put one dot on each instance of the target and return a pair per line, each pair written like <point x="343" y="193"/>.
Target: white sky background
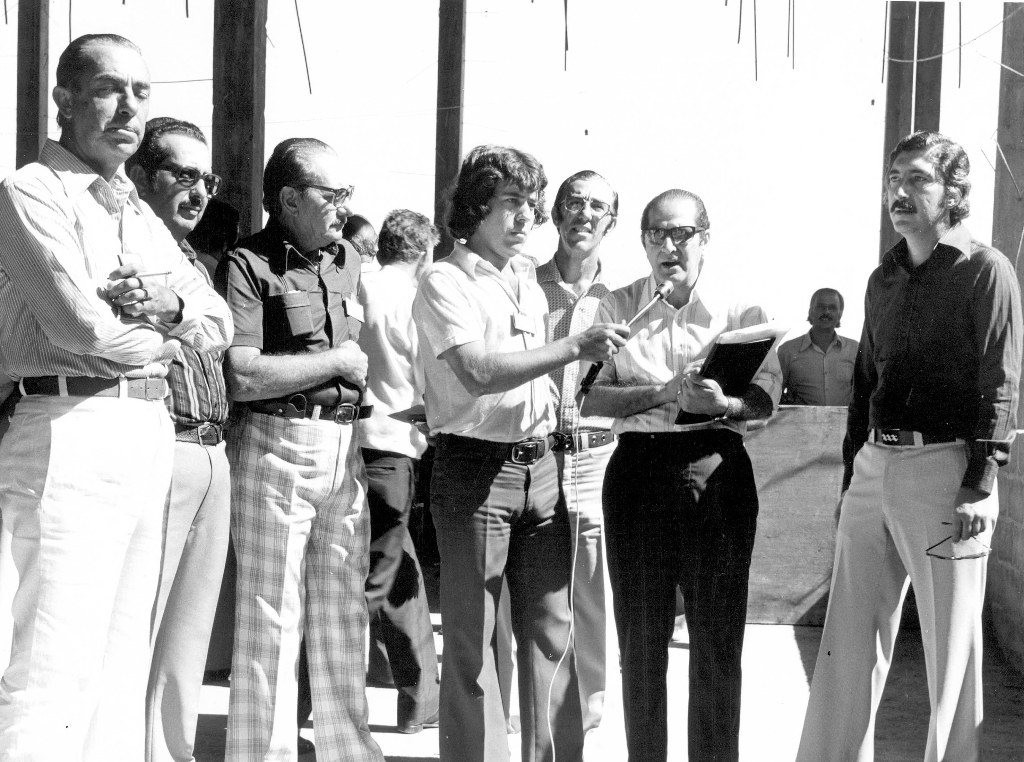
<point x="653" y="94"/>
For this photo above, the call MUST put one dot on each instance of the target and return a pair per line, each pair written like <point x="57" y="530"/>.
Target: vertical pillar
<point x="1008" y="215"/>
<point x="33" y="93"/>
<point x="906" y="111"/>
<point x="451" y="53"/>
<point x="239" y="99"/>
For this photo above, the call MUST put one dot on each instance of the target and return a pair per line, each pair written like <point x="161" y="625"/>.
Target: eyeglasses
<point x="335" y="196"/>
<point x="947" y="550"/>
<point x="187" y="177"/>
<point x="575" y="205"/>
<point x="679" y="236"/>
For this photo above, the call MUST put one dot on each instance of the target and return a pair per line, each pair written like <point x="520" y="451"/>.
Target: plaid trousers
<point x="301" y="533"/>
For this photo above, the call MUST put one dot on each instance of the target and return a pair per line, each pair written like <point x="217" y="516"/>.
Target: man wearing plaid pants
<point x="298" y="501"/>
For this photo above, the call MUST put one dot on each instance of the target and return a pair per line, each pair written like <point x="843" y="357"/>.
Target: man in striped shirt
<point x="171" y="171"/>
<point x="95" y="300"/>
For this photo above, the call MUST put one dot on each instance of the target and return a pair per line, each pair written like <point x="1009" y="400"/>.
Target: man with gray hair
<point x="95" y="301"/>
<point x="171" y="171"/>
<point x="298" y="499"/>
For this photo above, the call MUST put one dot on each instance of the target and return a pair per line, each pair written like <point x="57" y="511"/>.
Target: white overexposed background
<point x="653" y="94"/>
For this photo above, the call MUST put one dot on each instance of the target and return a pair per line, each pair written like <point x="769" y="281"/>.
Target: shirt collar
<point x="279" y="234"/>
<point x="187" y="250"/>
<point x="548" y="273"/>
<point x="472" y="263"/>
<point x="696" y="296"/>
<point x="77" y="177"/>
<point x="955" y="242"/>
<point x="806" y="343"/>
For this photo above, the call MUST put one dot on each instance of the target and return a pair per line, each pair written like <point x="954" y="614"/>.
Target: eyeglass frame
<point x="646" y="233"/>
<point x="349" y="191"/>
<point x="590" y="203"/>
<point x="208" y="178"/>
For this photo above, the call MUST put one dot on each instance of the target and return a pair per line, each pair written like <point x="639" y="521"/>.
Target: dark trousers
<point x="499" y="521"/>
<point x="680" y="509"/>
<point x="396" y="598"/>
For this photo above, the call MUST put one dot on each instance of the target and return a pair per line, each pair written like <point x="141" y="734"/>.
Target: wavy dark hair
<point x="151" y="154"/>
<point x="405" y="236"/>
<point x="482" y="171"/>
<point x="950" y="161"/>
<point x="289" y="165"/>
<point x="558" y="214"/>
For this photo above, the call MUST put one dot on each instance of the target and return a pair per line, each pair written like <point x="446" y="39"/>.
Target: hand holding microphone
<point x="660" y="293"/>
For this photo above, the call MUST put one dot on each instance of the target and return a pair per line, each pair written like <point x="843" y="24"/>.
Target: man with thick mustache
<point x="95" y="301"/>
<point x="680" y="504"/>
<point x="817" y="368"/>
<point x="171" y="171"/>
<point x="933" y="414"/>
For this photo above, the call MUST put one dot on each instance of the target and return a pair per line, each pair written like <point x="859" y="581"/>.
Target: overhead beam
<point x="1008" y="214"/>
<point x="33" y="94"/>
<point x="239" y="99"/>
<point x="913" y="86"/>
<point x="451" y="56"/>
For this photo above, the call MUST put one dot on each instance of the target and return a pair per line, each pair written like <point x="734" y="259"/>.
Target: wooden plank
<point x="239" y="98"/>
<point x="451" y="54"/>
<point x="1008" y="215"/>
<point x="33" y="94"/>
<point x="930" y="22"/>
<point x="798" y="467"/>
<point x="898" y="97"/>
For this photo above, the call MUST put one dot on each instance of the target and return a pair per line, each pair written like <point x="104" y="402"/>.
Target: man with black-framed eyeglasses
<point x="680" y="503"/>
<point x="197" y="517"/>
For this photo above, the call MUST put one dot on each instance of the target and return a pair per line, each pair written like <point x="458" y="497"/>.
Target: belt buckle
<point x="562" y="441"/>
<point x="156" y="389"/>
<point x="889" y="437"/>
<point x="346" y="413"/>
<point x="203" y="429"/>
<point x="525" y="453"/>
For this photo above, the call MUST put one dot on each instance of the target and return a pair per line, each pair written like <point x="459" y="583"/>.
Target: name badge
<point x="524" y="324"/>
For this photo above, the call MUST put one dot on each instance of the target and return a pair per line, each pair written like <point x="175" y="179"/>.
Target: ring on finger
<point x="146" y="297"/>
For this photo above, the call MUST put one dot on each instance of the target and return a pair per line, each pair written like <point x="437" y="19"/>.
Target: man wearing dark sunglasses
<point x="171" y="171"/>
<point x="680" y="504"/>
<point x="933" y="417"/>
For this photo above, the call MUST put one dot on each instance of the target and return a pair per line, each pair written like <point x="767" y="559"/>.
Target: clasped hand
<point x="136" y="298"/>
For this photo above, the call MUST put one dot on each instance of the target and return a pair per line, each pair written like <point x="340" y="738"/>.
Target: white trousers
<point x="82" y="488"/>
<point x="582" y="477"/>
<point x="893" y="511"/>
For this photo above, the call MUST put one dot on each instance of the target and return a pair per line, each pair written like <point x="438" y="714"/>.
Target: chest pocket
<point x="290" y="314"/>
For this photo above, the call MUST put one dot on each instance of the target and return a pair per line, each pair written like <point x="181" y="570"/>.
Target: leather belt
<point x="206" y="434"/>
<point x="585" y="440"/>
<point x="904" y="438"/>
<point x="525" y="453"/>
<point x="344" y="413"/>
<point x="87" y="386"/>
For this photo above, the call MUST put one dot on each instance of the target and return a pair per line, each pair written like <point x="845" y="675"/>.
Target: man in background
<point x="396" y="598"/>
<point x="171" y="171"/>
<point x="817" y="368"/>
<point x="360" y="233"/>
<point x="585" y="210"/>
<point x="95" y="300"/>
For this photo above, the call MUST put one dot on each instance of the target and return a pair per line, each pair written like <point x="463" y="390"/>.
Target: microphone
<point x="660" y="293"/>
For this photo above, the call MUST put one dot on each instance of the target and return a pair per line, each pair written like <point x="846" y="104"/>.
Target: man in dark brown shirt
<point x="933" y="414"/>
<point x="299" y="520"/>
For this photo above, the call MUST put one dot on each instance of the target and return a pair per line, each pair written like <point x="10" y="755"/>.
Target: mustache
<point x="903" y="205"/>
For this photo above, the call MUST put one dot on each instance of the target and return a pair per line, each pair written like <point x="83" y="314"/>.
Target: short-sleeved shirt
<point x="463" y="299"/>
<point x="813" y="377"/>
<point x="288" y="302"/>
<point x="665" y="340"/>
<point x="568" y="315"/>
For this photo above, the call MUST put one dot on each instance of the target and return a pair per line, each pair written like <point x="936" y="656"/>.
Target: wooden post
<point x="904" y="112"/>
<point x="931" y="18"/>
<point x="33" y="93"/>
<point x="451" y="53"/>
<point x="239" y="97"/>
<point x="1008" y="215"/>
